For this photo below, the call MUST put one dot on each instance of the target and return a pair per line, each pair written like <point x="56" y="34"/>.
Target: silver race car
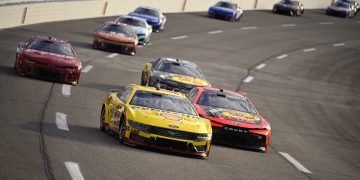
<point x="140" y="26"/>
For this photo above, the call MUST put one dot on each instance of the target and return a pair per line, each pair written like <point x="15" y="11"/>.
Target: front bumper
<point x="220" y="15"/>
<point x="48" y="71"/>
<point x="136" y="137"/>
<point x="336" y="13"/>
<point x="241" y="137"/>
<point x="125" y="47"/>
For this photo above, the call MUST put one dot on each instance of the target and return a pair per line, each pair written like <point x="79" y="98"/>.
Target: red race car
<point x="114" y="36"/>
<point x="48" y="58"/>
<point x="234" y="119"/>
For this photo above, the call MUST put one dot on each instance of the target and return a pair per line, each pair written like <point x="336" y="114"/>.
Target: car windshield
<point x="51" y="47"/>
<point x="118" y="29"/>
<point x="132" y="22"/>
<point x="180" y="68"/>
<point x="289" y="2"/>
<point x="226" y="100"/>
<point x="342" y="5"/>
<point x="149" y="12"/>
<point x="226" y="5"/>
<point x="165" y="102"/>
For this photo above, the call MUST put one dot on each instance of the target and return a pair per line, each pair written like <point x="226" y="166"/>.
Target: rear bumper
<point x="115" y="46"/>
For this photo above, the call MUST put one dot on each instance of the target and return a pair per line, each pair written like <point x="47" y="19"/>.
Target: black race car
<point x="291" y="7"/>
<point x="341" y="9"/>
<point x="173" y="74"/>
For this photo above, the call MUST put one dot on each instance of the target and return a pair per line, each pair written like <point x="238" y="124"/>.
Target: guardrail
<point x="24" y="14"/>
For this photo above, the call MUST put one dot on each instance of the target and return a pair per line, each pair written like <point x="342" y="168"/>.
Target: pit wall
<point x="24" y="14"/>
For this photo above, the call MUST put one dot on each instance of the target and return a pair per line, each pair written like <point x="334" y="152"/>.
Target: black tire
<point x="95" y="45"/>
<point x="122" y="129"/>
<point x="143" y="82"/>
<point x="292" y="13"/>
<point x="102" y="120"/>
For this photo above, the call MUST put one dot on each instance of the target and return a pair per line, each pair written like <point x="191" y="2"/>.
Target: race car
<point x="234" y="119"/>
<point x="291" y="7"/>
<point x="355" y="4"/>
<point x="48" y="58"/>
<point x="225" y="10"/>
<point x="173" y="74"/>
<point x="156" y="118"/>
<point x="142" y="29"/>
<point x="115" y="36"/>
<point x="153" y="16"/>
<point x="341" y="9"/>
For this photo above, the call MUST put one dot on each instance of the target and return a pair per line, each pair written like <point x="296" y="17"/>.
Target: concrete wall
<point x="17" y="15"/>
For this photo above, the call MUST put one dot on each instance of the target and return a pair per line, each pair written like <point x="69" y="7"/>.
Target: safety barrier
<point x="23" y="14"/>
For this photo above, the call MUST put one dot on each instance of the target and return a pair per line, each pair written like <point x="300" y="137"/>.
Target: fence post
<point x="104" y="8"/>
<point x="24" y="15"/>
<point x="184" y="6"/>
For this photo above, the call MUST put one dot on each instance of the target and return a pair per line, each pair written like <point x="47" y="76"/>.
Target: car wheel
<point x="274" y="10"/>
<point x="143" y="82"/>
<point x="102" y="120"/>
<point x="292" y="13"/>
<point x="17" y="70"/>
<point x="122" y="129"/>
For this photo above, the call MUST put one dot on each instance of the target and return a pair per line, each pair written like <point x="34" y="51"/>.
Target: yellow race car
<point x="157" y="118"/>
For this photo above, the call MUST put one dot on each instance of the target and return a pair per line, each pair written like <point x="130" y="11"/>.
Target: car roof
<point x="153" y="89"/>
<point x="52" y="39"/>
<point x="224" y="90"/>
<point x="180" y="61"/>
<point x="133" y="17"/>
<point x="147" y="7"/>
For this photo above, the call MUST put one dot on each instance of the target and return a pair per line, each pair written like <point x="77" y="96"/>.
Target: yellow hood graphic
<point x="164" y="119"/>
<point x="189" y="80"/>
<point x="240" y="116"/>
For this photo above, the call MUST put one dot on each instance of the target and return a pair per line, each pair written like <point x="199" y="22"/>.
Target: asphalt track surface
<point x="304" y="78"/>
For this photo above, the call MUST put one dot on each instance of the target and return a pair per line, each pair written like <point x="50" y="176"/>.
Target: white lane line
<point x="288" y="25"/>
<point x="339" y="44"/>
<point x="293" y="161"/>
<point x="326" y="23"/>
<point x="249" y="28"/>
<point x="112" y="55"/>
<point x="248" y="79"/>
<point x="87" y="69"/>
<point x="282" y="56"/>
<point x="179" y="37"/>
<point x="66" y="90"/>
<point x="74" y="170"/>
<point x="260" y="66"/>
<point x="215" y="32"/>
<point x="309" y="50"/>
<point x="140" y="46"/>
<point x="61" y="121"/>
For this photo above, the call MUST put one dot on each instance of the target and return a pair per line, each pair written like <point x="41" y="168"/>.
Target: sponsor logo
<point x="235" y="129"/>
<point x="171" y="117"/>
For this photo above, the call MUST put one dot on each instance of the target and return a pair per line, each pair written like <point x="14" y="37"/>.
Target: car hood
<point x="221" y="9"/>
<point x="140" y="30"/>
<point x="148" y="18"/>
<point x="165" y="119"/>
<point x="114" y="37"/>
<point x="180" y="78"/>
<point x="336" y="8"/>
<point x="231" y="116"/>
<point x="50" y="58"/>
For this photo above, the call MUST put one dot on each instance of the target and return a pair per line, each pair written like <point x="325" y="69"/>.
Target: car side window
<point x="192" y="94"/>
<point x="125" y="95"/>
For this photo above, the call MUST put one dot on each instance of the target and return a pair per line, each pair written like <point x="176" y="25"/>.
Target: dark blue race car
<point x="225" y="10"/>
<point x="153" y="16"/>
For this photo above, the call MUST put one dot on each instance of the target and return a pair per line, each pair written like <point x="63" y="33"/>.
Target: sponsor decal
<point x="189" y="80"/>
<point x="171" y="117"/>
<point x="235" y="129"/>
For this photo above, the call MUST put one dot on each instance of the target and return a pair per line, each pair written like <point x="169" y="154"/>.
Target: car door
<point x="118" y="107"/>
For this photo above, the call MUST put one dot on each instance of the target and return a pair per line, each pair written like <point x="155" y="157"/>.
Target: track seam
<point x="43" y="150"/>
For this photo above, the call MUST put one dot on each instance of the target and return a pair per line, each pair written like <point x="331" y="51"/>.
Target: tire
<point x="292" y="13"/>
<point x="95" y="45"/>
<point x="102" y="120"/>
<point x="143" y="82"/>
<point x="274" y="10"/>
<point x="122" y="129"/>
